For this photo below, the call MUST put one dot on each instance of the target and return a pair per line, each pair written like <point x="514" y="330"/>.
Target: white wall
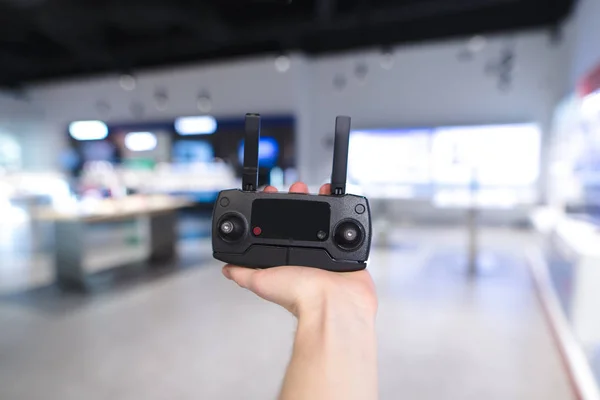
<point x="586" y="49"/>
<point x="250" y="85"/>
<point x="430" y="85"/>
<point x="20" y="119"/>
<point x="427" y="85"/>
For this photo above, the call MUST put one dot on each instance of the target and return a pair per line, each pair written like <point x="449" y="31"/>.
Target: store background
<point x="429" y="84"/>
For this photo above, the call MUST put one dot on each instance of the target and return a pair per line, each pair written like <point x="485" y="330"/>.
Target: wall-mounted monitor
<point x="268" y="152"/>
<point x="419" y="163"/>
<point x="490" y="155"/>
<point x="390" y="156"/>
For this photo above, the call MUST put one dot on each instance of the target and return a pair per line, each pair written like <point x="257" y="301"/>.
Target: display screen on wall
<point x="268" y="152"/>
<point x="193" y="151"/>
<point x="491" y="155"/>
<point x="390" y="156"/>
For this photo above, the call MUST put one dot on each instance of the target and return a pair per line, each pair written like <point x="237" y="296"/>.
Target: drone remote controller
<point x="263" y="230"/>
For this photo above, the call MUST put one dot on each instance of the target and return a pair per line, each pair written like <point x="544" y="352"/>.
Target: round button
<point x="227" y="227"/>
<point x="348" y="235"/>
<point x="321" y="235"/>
<point x="360" y="209"/>
<point x="224" y="202"/>
<point x="232" y="227"/>
<point x="257" y="231"/>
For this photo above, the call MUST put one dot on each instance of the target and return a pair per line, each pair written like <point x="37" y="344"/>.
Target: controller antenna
<point x="252" y="138"/>
<point x="340" y="156"/>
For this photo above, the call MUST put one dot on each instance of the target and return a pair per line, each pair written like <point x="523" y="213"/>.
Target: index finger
<point x="325" y="189"/>
<point x="299" y="187"/>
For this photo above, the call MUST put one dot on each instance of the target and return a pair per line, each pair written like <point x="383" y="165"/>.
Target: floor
<point x="187" y="333"/>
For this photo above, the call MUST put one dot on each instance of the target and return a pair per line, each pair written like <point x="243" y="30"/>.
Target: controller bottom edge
<point x="310" y="260"/>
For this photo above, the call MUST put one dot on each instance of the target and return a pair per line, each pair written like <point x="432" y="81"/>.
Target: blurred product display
<point x="570" y="225"/>
<point x="196" y="181"/>
<point x="158" y="213"/>
<point x="34" y="187"/>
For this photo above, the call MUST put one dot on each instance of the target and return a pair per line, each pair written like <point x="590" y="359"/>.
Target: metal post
<point x="472" y="226"/>
<point x="473" y="243"/>
<point x="163" y="236"/>
<point x="68" y="254"/>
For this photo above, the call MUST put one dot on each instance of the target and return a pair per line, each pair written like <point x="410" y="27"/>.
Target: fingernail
<point x="227" y="273"/>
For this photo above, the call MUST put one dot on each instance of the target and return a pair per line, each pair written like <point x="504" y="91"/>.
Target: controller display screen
<point x="291" y="219"/>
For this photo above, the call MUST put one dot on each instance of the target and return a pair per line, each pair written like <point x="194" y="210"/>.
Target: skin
<point x="335" y="350"/>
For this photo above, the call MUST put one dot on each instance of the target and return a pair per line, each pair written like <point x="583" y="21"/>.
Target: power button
<point x="360" y="209"/>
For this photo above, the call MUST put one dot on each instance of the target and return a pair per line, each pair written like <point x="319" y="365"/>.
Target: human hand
<point x="302" y="290"/>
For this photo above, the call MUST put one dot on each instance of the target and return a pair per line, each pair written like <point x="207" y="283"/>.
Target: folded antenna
<point x="252" y="138"/>
<point x="340" y="156"/>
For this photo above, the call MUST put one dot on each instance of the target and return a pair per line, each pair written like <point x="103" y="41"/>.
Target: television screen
<point x="390" y="157"/>
<point x="268" y="152"/>
<point x="500" y="160"/>
<point x="192" y="151"/>
<point x="492" y="155"/>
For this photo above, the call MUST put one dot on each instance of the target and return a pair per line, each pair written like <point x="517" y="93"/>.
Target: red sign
<point x="590" y="82"/>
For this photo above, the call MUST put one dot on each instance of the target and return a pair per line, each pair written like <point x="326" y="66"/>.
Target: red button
<point x="257" y="231"/>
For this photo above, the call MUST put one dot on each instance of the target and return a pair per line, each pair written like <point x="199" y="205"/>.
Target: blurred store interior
<point x="475" y="136"/>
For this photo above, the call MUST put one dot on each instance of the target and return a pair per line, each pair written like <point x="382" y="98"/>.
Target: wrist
<point x="333" y="306"/>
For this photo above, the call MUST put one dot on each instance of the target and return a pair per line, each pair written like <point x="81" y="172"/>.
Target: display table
<point x="159" y="214"/>
<point x="577" y="241"/>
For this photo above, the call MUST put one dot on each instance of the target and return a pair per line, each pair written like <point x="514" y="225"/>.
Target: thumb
<point x="241" y="276"/>
<point x="277" y="285"/>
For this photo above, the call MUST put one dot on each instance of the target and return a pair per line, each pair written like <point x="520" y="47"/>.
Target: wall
<point x="250" y="85"/>
<point x="586" y="48"/>
<point x="20" y="119"/>
<point x="427" y="85"/>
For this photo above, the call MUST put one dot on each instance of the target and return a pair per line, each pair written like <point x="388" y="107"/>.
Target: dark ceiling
<point x="48" y="39"/>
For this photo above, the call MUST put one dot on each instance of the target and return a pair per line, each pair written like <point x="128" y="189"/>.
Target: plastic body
<point x="255" y="251"/>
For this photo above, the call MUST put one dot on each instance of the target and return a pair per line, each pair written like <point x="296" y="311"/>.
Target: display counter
<point x="578" y="242"/>
<point x="571" y="262"/>
<point x="157" y="214"/>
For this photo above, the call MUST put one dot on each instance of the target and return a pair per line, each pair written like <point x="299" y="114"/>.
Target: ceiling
<point x="43" y="40"/>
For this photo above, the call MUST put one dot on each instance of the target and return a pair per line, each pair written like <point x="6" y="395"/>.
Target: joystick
<point x="263" y="230"/>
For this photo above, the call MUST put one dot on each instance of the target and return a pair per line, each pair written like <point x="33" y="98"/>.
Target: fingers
<point x="241" y="276"/>
<point x="299" y="187"/>
<point x="325" y="189"/>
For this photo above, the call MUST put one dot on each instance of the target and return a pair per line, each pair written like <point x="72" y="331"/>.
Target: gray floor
<point x="194" y="335"/>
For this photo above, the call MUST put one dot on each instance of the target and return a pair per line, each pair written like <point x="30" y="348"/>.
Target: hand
<point x="302" y="290"/>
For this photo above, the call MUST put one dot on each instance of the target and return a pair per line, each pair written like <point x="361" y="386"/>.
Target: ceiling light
<point x="141" y="141"/>
<point x="283" y="63"/>
<point x="202" y="125"/>
<point x="161" y="99"/>
<point x="204" y="102"/>
<point x="339" y="81"/>
<point x="102" y="106"/>
<point x="387" y="59"/>
<point x="88" y="130"/>
<point x="137" y="109"/>
<point x="477" y="44"/>
<point x="360" y="71"/>
<point x="127" y="82"/>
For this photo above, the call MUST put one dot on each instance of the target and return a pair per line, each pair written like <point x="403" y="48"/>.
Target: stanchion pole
<point x="473" y="242"/>
<point x="472" y="226"/>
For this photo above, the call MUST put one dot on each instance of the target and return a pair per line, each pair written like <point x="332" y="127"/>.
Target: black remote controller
<point x="262" y="230"/>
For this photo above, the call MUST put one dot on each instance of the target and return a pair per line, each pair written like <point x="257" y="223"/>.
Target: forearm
<point x="334" y="356"/>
